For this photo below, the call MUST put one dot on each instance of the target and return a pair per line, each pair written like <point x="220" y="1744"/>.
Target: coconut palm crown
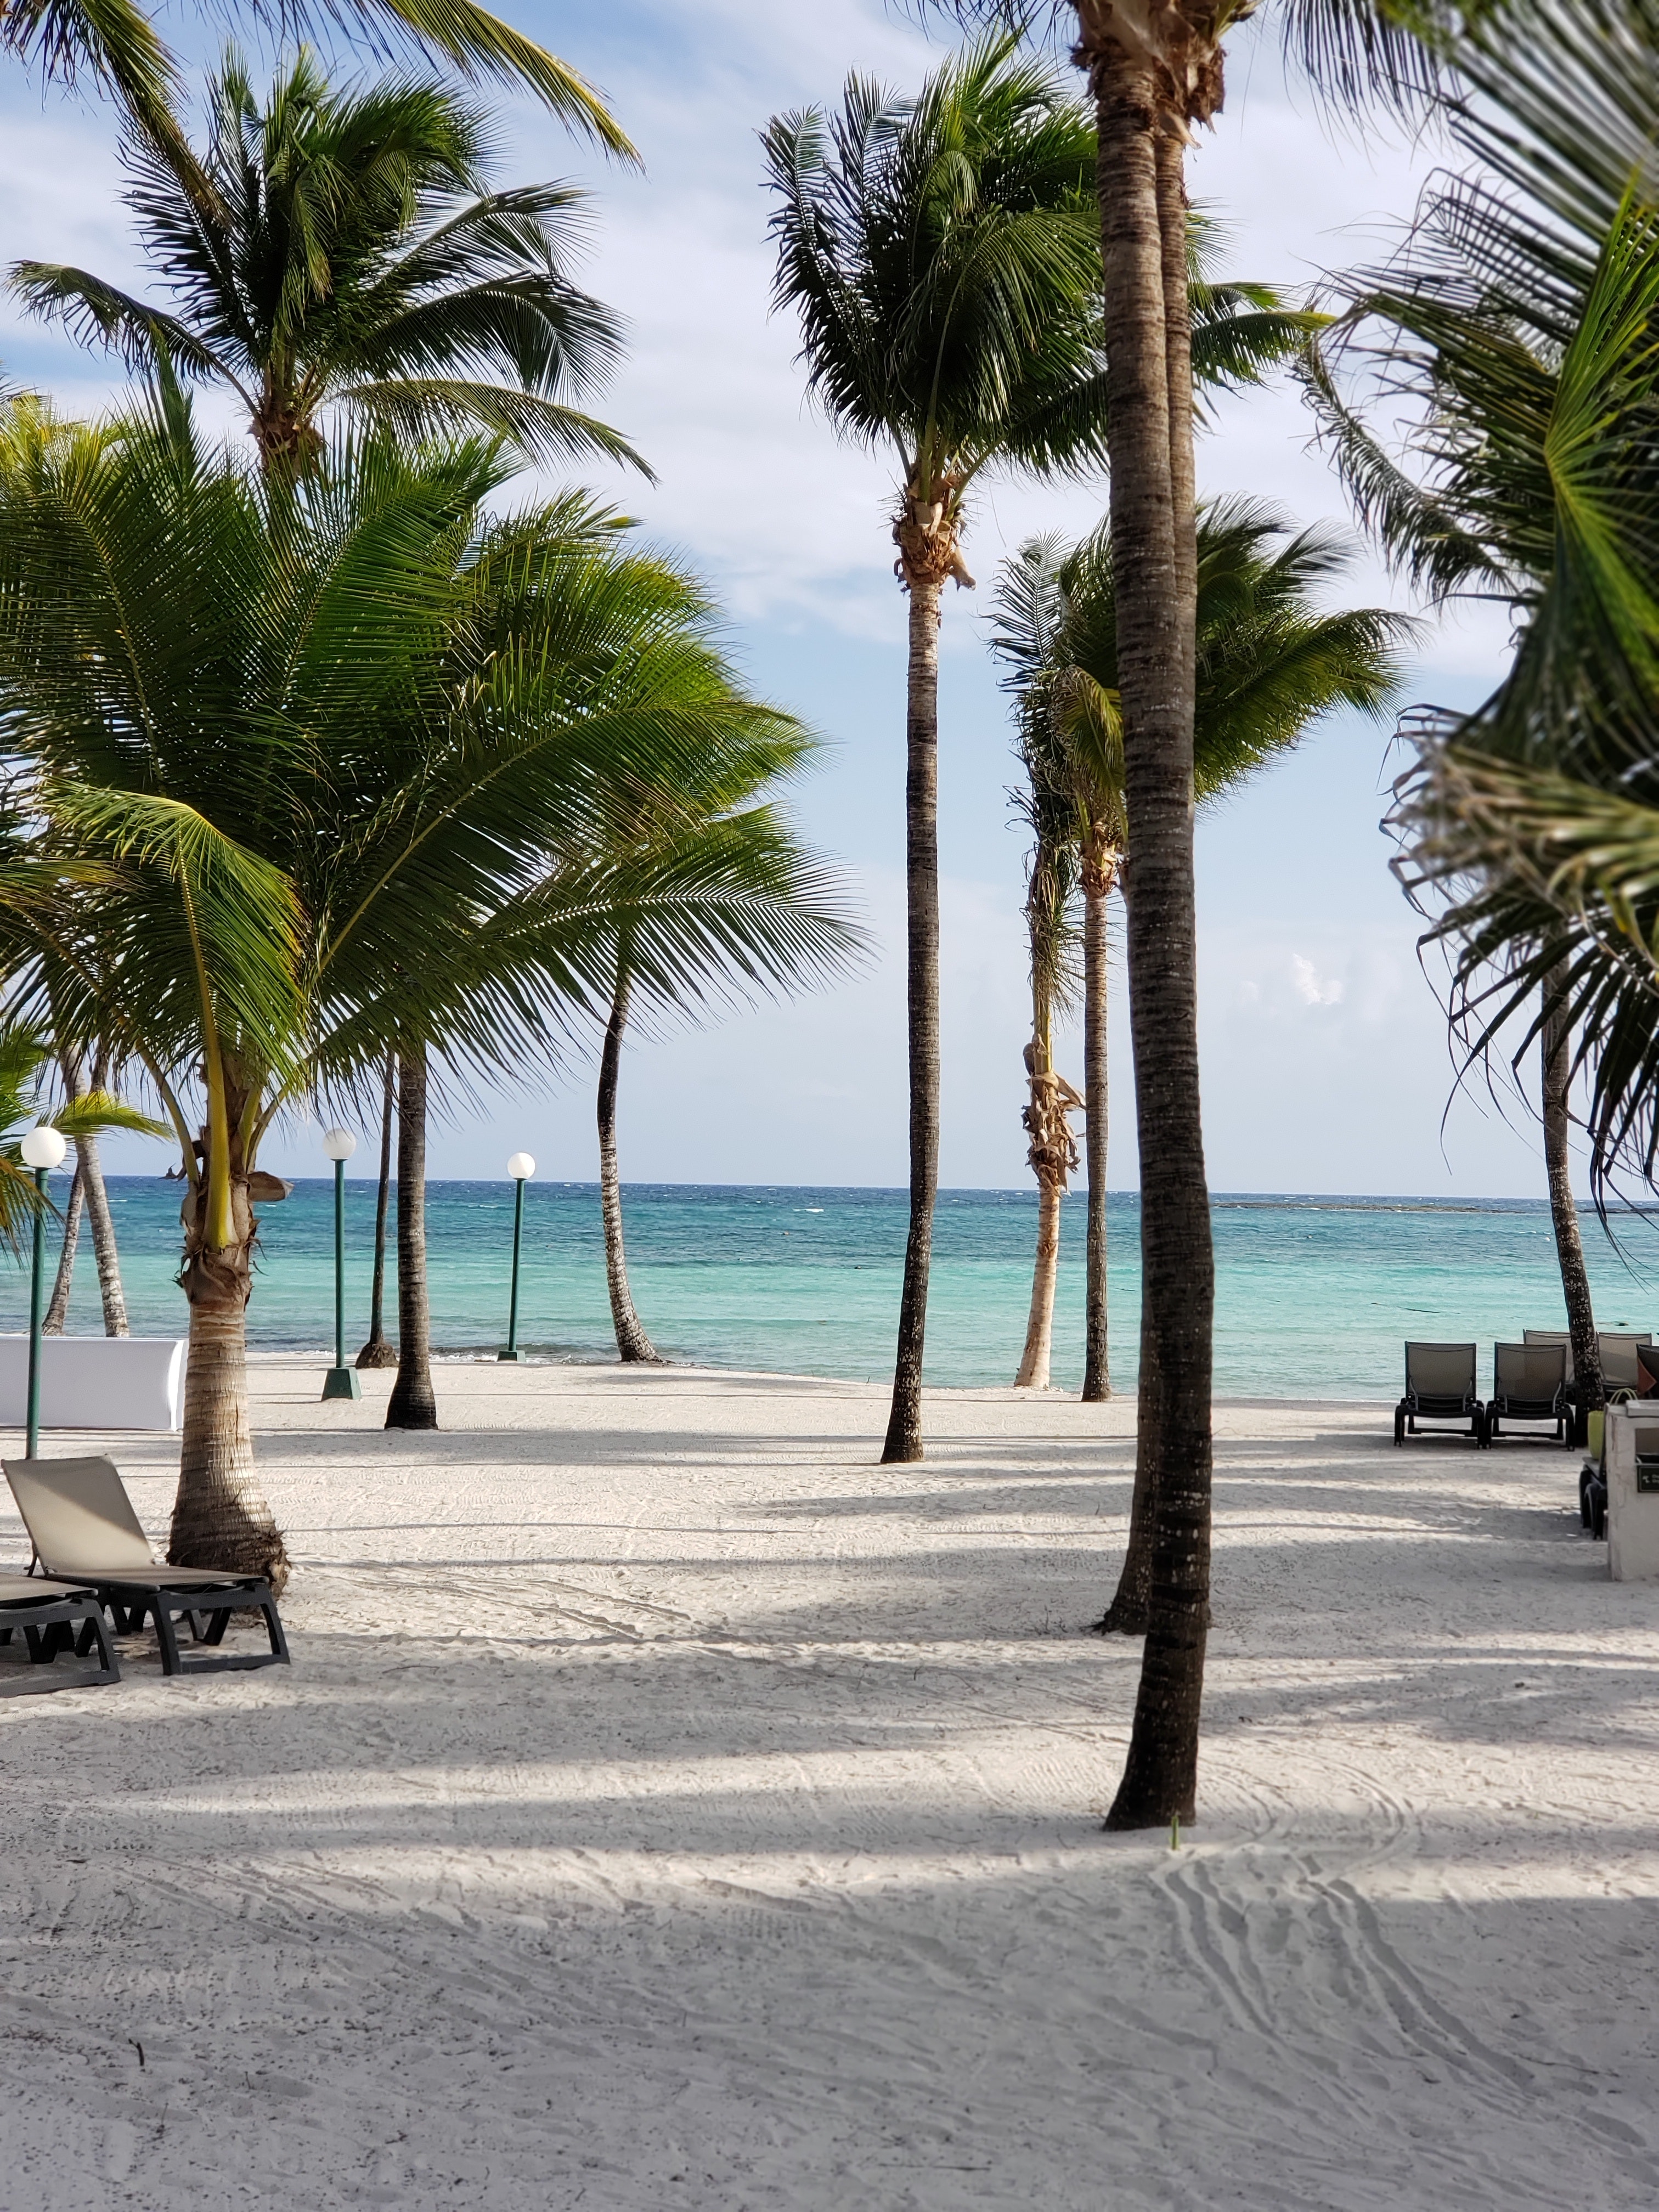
<point x="1270" y="663"/>
<point x="340" y="248"/>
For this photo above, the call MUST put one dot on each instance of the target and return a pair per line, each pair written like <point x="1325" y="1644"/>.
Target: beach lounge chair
<point x="57" y="1617"/>
<point x="1619" y="1368"/>
<point x="1562" y="1337"/>
<point x="82" y="1526"/>
<point x="1551" y="1336"/>
<point x="1529" y="1383"/>
<point x="1439" y="1387"/>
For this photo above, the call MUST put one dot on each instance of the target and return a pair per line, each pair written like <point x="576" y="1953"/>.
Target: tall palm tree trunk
<point x="57" y="1310"/>
<point x="89" y="1189"/>
<point x="102" y="1224"/>
<point x="376" y="1351"/>
<point x="1153" y="524"/>
<point x="903" y="1440"/>
<point x="1053" y="1155"/>
<point x="219" y="1516"/>
<point x="1034" y="1364"/>
<point x="1569" y="1245"/>
<point x="634" y="1347"/>
<point x="412" y="1403"/>
<point x="1097" y="1364"/>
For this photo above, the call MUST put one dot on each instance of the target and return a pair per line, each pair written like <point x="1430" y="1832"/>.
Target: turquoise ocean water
<point x="1314" y="1295"/>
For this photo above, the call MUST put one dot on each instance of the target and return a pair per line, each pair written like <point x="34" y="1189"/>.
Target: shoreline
<point x="649" y="1376"/>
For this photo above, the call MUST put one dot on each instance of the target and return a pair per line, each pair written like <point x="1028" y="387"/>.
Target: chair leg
<point x="106" y="1658"/>
<point x="218" y="1623"/>
<point x="171" y="1663"/>
<point x="274" y="1630"/>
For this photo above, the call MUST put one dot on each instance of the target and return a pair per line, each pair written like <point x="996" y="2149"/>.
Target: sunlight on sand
<point x="667" y="1804"/>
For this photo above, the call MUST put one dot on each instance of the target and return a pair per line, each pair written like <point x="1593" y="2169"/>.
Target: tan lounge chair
<point x="49" y="1614"/>
<point x="82" y="1526"/>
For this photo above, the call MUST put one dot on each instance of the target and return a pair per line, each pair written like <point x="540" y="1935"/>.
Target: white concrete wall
<point x="96" y="1382"/>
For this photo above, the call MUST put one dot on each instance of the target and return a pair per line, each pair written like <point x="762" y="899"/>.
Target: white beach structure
<point x="96" y="1382"/>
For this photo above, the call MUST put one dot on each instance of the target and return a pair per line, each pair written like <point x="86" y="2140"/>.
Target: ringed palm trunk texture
<point x="89" y="1186"/>
<point x="220" y="1517"/>
<point x="376" y="1351"/>
<point x="1569" y="1245"/>
<point x="903" y="1440"/>
<point x="412" y="1403"/>
<point x="104" y="1246"/>
<point x="1149" y="394"/>
<point x="1097" y="1364"/>
<point x="634" y="1347"/>
<point x="1052" y="1154"/>
<point x="57" y="1310"/>
<point x="1034" y="1360"/>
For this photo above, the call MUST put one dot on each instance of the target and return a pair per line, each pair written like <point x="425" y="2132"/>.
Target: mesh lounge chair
<point x="1619" y="1368"/>
<point x="1529" y="1383"/>
<point x="81" y="1524"/>
<point x="1562" y="1337"/>
<point x="1551" y="1336"/>
<point x="1439" y="1387"/>
<point x="57" y="1617"/>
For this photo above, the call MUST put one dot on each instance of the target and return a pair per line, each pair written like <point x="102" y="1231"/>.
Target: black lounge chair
<point x="1439" y="1387"/>
<point x="57" y="1617"/>
<point x="1529" y="1383"/>
<point x="81" y="1524"/>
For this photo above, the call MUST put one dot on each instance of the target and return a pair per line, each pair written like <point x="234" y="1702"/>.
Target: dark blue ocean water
<point x="1314" y="1295"/>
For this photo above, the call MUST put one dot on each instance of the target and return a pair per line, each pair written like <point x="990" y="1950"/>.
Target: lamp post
<point x="43" y="1148"/>
<point x="341" y="1381"/>
<point x="521" y="1167"/>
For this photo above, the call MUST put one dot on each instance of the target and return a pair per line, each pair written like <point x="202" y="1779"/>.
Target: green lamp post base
<point x="513" y="1356"/>
<point x="341" y="1382"/>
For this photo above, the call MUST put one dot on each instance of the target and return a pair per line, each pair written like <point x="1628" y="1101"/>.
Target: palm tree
<point x="87" y="1193"/>
<point x="1516" y="325"/>
<point x="341" y="248"/>
<point x="1269" y="665"/>
<point x="27" y="1065"/>
<point x="1051" y="882"/>
<point x="376" y="1351"/>
<point x="1152" y="74"/>
<point x="941" y="256"/>
<point x="754" y="911"/>
<point x="617" y="692"/>
<point x="325" y="768"/>
<point x="115" y="44"/>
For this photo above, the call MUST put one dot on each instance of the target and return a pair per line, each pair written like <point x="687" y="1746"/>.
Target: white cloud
<point x="1312" y="988"/>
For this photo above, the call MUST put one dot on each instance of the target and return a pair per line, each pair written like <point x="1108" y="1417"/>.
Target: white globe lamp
<point x="341" y="1381"/>
<point x="43" y="1146"/>
<point x="521" y="1167"/>
<point x="43" y="1149"/>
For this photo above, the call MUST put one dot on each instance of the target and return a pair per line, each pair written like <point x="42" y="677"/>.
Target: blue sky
<point x="1325" y="1060"/>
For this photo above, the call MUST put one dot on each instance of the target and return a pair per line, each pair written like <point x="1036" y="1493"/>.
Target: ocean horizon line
<point x="1312" y="1201"/>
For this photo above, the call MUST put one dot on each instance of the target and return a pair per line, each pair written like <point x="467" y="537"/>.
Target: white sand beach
<point x="667" y="1806"/>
